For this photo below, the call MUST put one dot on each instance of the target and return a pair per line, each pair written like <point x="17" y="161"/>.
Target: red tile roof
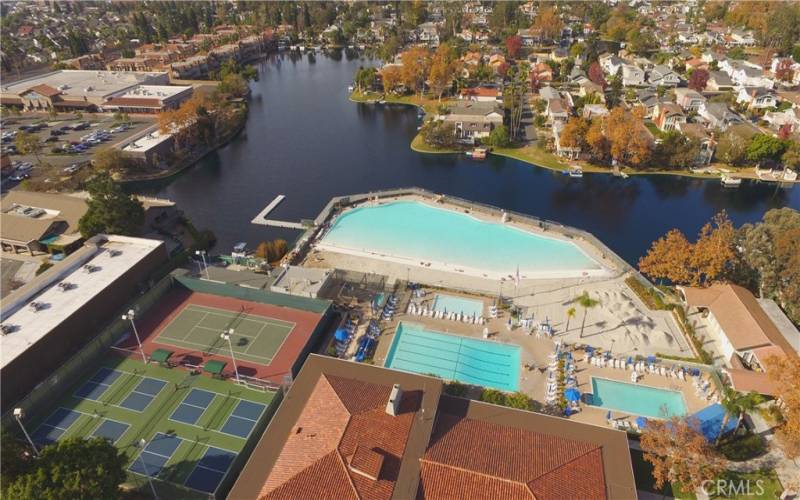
<point x="343" y="422"/>
<point x="44" y="89"/>
<point x="476" y="459"/>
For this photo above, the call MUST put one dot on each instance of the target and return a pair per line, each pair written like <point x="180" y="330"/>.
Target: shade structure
<point x="641" y="422"/>
<point x="709" y="422"/>
<point x="341" y="335"/>
<point x="214" y="367"/>
<point x="161" y="355"/>
<point x="572" y="394"/>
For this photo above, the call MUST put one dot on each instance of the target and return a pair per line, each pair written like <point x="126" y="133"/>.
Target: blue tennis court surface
<point x="111" y="429"/>
<point x="155" y="455"/>
<point x="98" y="384"/>
<point x="210" y="470"/>
<point x="55" y="426"/>
<point x="243" y="418"/>
<point x="143" y="394"/>
<point x="192" y="406"/>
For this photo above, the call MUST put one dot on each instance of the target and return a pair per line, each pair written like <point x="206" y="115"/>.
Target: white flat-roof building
<point x="302" y="281"/>
<point x="148" y="98"/>
<point x="56" y="313"/>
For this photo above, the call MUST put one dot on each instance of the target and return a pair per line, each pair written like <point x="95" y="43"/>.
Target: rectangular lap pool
<point x="450" y="303"/>
<point x="637" y="399"/>
<point x="453" y="357"/>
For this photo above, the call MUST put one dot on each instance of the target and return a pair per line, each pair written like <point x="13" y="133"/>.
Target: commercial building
<point x="350" y="430"/>
<point x="53" y="316"/>
<point x="72" y="90"/>
<point x="40" y="222"/>
<point x="149" y="98"/>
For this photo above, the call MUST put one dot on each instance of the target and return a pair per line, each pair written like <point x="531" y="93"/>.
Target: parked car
<point x="19" y="176"/>
<point x="73" y="168"/>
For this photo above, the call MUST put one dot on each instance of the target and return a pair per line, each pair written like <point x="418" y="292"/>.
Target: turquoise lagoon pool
<point x="637" y="399"/>
<point x="451" y="303"/>
<point x="453" y="357"/>
<point x="416" y="232"/>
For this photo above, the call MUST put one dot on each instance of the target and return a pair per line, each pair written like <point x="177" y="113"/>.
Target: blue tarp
<point x="572" y="394"/>
<point x="710" y="421"/>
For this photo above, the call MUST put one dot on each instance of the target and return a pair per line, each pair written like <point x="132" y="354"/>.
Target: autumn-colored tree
<point x="596" y="75"/>
<point x="597" y="141"/>
<point x="784" y="132"/>
<point x="679" y="453"/>
<point x="442" y="69"/>
<point x="548" y="22"/>
<point x="784" y="71"/>
<point x="416" y="63"/>
<point x="513" y="44"/>
<point x="574" y="133"/>
<point x="785" y="372"/>
<point x="535" y="83"/>
<point x="698" y="80"/>
<point x="391" y="76"/>
<point x="668" y="258"/>
<point x="629" y="142"/>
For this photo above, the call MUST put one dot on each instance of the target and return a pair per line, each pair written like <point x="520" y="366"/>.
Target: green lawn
<point x="155" y="418"/>
<point x="747" y="485"/>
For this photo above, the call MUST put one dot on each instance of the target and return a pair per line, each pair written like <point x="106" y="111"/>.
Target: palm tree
<point x="570" y="314"/>
<point x="587" y="303"/>
<point x="737" y="403"/>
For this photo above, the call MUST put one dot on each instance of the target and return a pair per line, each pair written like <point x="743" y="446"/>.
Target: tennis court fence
<point x="55" y="385"/>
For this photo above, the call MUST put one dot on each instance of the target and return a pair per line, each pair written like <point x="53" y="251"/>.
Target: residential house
<point x="557" y="111"/>
<point x="530" y="37"/>
<point x="497" y="62"/>
<point x="480" y="94"/>
<point x="577" y="76"/>
<point x="352" y="430"/>
<point x="428" y="33"/>
<point x="591" y="111"/>
<point x="543" y="72"/>
<point x="470" y="63"/>
<point x="778" y="119"/>
<point x="794" y="68"/>
<point x="705" y="137"/>
<point x="588" y="87"/>
<point x="696" y="63"/>
<point x="689" y="99"/>
<point x="569" y="152"/>
<point x="473" y="120"/>
<point x="741" y="38"/>
<point x="663" y="76"/>
<point x="719" y="81"/>
<point x="649" y="100"/>
<point x="757" y="97"/>
<point x="632" y="75"/>
<point x="667" y="115"/>
<point x="718" y="115"/>
<point x="746" y="74"/>
<point x="742" y="332"/>
<point x="191" y="68"/>
<point x="559" y="54"/>
<point x="610" y="63"/>
<point x="88" y="61"/>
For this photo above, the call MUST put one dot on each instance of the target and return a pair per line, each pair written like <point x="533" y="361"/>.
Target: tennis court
<point x="194" y="426"/>
<point x="255" y="338"/>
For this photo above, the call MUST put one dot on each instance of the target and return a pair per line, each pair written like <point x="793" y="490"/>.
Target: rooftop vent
<point x="66" y="286"/>
<point x="88" y="268"/>
<point x="393" y="405"/>
<point x="36" y="306"/>
<point x="115" y="253"/>
<point x="5" y="328"/>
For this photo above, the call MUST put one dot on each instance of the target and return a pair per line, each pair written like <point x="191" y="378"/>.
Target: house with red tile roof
<point x="352" y="430"/>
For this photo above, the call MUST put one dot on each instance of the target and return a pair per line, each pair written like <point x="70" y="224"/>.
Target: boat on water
<point x="574" y="171"/>
<point x="730" y="181"/>
<point x="478" y="153"/>
<point x="789" y="175"/>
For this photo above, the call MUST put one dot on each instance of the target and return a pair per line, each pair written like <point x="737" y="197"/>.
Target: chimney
<point x="393" y="406"/>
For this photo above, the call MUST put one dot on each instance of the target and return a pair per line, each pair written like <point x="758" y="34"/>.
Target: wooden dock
<point x="261" y="218"/>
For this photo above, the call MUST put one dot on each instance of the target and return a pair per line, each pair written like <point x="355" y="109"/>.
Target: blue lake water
<point x="306" y="140"/>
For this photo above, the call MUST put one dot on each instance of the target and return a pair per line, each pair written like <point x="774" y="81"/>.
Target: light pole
<point x="19" y="414"/>
<point x="227" y="336"/>
<point x="202" y="254"/>
<point x="142" y="444"/>
<point x="129" y="316"/>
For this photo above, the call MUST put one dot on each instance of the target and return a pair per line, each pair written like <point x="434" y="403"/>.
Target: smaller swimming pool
<point x="453" y="357"/>
<point x="637" y="399"/>
<point x="450" y="303"/>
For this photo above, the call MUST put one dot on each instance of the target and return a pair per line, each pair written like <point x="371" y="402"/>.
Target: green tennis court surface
<point x="194" y="426"/>
<point x="198" y="328"/>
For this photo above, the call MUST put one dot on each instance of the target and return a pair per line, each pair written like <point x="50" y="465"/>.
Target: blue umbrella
<point x="608" y="415"/>
<point x="651" y="359"/>
<point x="341" y="334"/>
<point x="568" y="411"/>
<point x="589" y="349"/>
<point x="572" y="394"/>
<point x="641" y="422"/>
<point x="630" y="360"/>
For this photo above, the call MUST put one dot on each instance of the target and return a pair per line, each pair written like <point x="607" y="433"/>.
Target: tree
<point x="416" y="62"/>
<point x="72" y="468"/>
<point x="547" y="22"/>
<point x="629" y="143"/>
<point x="737" y="403"/>
<point x="111" y="159"/>
<point x="677" y="151"/>
<point x="764" y="147"/>
<point x="574" y="133"/>
<point x="698" y="80"/>
<point x="28" y="144"/>
<point x="784" y="371"/>
<point x="17" y="457"/>
<point x="668" y="258"/>
<point x="364" y="78"/>
<point x="110" y="210"/>
<point x="570" y="314"/>
<point x="599" y="148"/>
<point x="498" y="137"/>
<point x="514" y="96"/>
<point x="732" y="149"/>
<point x="233" y="85"/>
<point x="596" y="75"/>
<point x="442" y="69"/>
<point x="391" y="77"/>
<point x="439" y="134"/>
<point x="791" y="157"/>
<point x="679" y="453"/>
<point x="513" y="44"/>
<point x="784" y="71"/>
<point x="586" y="302"/>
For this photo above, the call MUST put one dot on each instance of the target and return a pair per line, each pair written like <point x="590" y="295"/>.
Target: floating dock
<point x="261" y="218"/>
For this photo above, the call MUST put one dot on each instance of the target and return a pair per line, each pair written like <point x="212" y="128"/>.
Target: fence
<point x="54" y="386"/>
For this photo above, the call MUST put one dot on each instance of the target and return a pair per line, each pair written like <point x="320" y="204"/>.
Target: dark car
<point x="56" y="132"/>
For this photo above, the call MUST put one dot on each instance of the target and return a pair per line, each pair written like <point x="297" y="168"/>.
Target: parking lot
<point x="68" y="143"/>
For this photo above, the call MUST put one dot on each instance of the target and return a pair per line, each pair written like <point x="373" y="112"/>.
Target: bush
<point x="516" y="400"/>
<point x="494" y="397"/>
<point x="743" y="448"/>
<point x="44" y="267"/>
<point x="649" y="296"/>
<point x="455" y="388"/>
<point x="439" y="134"/>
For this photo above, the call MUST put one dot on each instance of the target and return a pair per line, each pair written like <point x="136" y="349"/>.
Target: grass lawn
<point x="429" y="104"/>
<point x="745" y="485"/>
<point x="418" y="144"/>
<point x="127" y="401"/>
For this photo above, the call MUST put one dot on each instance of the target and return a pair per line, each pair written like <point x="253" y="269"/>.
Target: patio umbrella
<point x="641" y="422"/>
<point x="572" y="394"/>
<point x="341" y="334"/>
<point x="589" y="349"/>
<point x="608" y="415"/>
<point x="651" y="359"/>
